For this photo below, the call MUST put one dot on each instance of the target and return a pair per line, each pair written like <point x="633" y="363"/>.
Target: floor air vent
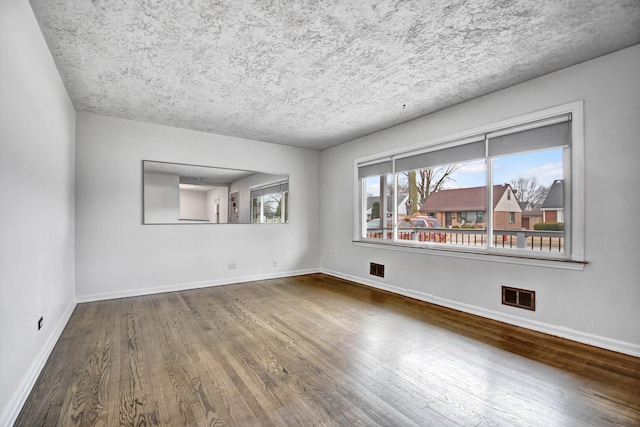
<point x="521" y="298"/>
<point x="376" y="269"/>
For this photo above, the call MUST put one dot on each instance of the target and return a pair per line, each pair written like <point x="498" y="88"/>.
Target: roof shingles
<point x="462" y="199"/>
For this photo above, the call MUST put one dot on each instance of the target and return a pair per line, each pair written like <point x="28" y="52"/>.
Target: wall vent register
<point x="520" y="298"/>
<point x="376" y="269"/>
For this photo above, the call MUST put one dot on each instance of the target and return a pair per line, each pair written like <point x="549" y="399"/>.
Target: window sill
<point x="510" y="258"/>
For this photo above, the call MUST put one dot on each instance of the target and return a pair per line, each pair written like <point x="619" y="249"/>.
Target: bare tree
<point x="403" y="187"/>
<point x="413" y="194"/>
<point x="421" y="183"/>
<point x="272" y="206"/>
<point x="434" y="179"/>
<point x="528" y="190"/>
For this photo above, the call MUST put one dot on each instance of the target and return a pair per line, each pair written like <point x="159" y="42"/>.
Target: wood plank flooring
<point x="316" y="350"/>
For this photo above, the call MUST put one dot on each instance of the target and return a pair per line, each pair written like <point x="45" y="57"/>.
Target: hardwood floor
<point x="315" y="350"/>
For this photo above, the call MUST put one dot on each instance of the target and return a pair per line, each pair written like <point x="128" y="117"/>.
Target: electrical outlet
<point x="40" y="322"/>
<point x="233" y="266"/>
<point x="275" y="263"/>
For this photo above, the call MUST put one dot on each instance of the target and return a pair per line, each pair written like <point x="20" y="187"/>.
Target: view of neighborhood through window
<point x="440" y="197"/>
<point x="270" y="204"/>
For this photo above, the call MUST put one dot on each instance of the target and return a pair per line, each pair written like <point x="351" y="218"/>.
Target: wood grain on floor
<point x="316" y="350"/>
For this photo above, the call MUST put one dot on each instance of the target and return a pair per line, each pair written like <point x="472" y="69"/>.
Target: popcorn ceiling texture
<point x="314" y="73"/>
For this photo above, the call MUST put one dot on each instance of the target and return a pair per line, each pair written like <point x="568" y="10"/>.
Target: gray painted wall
<point x="117" y="255"/>
<point x="597" y="305"/>
<point x="37" y="125"/>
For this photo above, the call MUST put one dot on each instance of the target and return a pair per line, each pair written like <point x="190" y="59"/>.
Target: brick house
<point x="553" y="205"/>
<point x="468" y="206"/>
<point x="531" y="215"/>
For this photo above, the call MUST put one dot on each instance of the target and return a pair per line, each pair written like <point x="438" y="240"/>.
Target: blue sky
<point x="545" y="166"/>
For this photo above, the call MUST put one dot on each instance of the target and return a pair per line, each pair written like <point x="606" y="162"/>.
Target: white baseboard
<point x="21" y="394"/>
<point x="192" y="285"/>
<point x="559" y="331"/>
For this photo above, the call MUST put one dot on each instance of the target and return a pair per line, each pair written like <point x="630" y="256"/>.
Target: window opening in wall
<point x="270" y="204"/>
<point x="502" y="191"/>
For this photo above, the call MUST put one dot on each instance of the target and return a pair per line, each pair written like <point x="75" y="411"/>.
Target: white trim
<point x="508" y="256"/>
<point x="193" y="285"/>
<point x="555" y="330"/>
<point x="576" y="182"/>
<point x="21" y="394"/>
<point x="563" y="118"/>
<point x="268" y="184"/>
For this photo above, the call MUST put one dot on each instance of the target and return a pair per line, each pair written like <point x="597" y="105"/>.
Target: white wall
<point x="161" y="198"/>
<point x="116" y="255"/>
<point x="193" y="205"/>
<point x="37" y="124"/>
<point x="598" y="305"/>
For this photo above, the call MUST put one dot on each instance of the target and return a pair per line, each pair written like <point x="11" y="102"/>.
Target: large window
<point x="270" y="204"/>
<point x="508" y="190"/>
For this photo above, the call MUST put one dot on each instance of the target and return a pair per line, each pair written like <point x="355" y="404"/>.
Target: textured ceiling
<point x="314" y="73"/>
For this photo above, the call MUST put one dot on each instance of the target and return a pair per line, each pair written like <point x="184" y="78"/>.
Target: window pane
<point x="378" y="191"/>
<point x="452" y="195"/>
<point x="536" y="208"/>
<point x="272" y="207"/>
<point x="269" y="208"/>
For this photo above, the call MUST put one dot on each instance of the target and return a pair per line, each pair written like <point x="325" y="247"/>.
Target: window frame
<point x="573" y="165"/>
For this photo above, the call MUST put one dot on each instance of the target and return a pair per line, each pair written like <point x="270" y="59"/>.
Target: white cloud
<point x="373" y="189"/>
<point x="546" y="173"/>
<point x="475" y="167"/>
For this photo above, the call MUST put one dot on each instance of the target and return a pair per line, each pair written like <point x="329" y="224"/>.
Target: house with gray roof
<point x="553" y="205"/>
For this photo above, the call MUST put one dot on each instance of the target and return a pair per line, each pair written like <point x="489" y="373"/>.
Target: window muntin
<point x="500" y="146"/>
